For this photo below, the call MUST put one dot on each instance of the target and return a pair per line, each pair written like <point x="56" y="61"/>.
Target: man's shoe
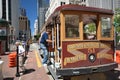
<point x="49" y="63"/>
<point x="44" y="65"/>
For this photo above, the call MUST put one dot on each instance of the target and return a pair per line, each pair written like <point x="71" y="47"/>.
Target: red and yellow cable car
<point x="83" y="40"/>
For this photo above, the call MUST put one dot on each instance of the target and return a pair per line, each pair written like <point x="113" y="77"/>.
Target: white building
<point x="0" y="8"/>
<point x="106" y="4"/>
<point x="53" y="5"/>
<point x="9" y="10"/>
<point x="36" y="27"/>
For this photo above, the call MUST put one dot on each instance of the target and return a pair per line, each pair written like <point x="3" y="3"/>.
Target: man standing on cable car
<point x="44" y="39"/>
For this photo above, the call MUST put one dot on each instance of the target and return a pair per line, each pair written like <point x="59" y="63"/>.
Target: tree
<point x="117" y="22"/>
<point x="37" y="36"/>
<point x="117" y="19"/>
<point x="92" y="27"/>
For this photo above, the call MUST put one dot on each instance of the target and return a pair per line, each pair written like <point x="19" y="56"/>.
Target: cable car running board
<point x="85" y="70"/>
<point x="52" y="72"/>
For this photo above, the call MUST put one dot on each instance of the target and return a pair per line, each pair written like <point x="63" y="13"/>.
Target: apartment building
<point x="9" y="10"/>
<point x="24" y="26"/>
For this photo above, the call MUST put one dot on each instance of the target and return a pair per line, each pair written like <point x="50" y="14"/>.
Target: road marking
<point x="39" y="63"/>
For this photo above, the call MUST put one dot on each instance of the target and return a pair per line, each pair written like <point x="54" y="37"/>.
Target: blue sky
<point x="31" y="11"/>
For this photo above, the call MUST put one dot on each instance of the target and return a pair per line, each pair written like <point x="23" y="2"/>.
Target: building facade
<point x="45" y="9"/>
<point x="42" y="6"/>
<point x="117" y="3"/>
<point x="55" y="3"/>
<point x="24" y="26"/>
<point x="106" y="4"/>
<point x="22" y="12"/>
<point x="36" y="27"/>
<point x="9" y="10"/>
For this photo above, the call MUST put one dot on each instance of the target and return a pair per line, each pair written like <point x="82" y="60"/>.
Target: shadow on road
<point x="27" y="71"/>
<point x="9" y="78"/>
<point x="113" y="75"/>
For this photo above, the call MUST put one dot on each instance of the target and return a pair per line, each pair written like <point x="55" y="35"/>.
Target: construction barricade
<point x="12" y="59"/>
<point x="118" y="56"/>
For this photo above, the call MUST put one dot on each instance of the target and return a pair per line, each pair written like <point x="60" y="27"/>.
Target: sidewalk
<point x="35" y="71"/>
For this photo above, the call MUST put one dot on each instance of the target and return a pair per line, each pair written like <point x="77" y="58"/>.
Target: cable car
<point x="83" y="40"/>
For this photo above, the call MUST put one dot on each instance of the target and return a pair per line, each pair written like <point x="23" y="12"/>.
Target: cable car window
<point x="71" y="26"/>
<point x="89" y="23"/>
<point x="105" y="27"/>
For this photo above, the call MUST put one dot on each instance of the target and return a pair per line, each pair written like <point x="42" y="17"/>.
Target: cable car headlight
<point x="92" y="57"/>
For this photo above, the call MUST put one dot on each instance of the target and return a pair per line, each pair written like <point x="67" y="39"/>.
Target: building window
<point x="62" y="3"/>
<point x="9" y="7"/>
<point x="4" y="9"/>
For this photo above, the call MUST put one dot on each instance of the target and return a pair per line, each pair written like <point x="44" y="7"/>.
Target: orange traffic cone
<point x="12" y="59"/>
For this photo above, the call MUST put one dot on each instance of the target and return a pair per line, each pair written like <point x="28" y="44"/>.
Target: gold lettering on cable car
<point x="91" y="50"/>
<point x="78" y="55"/>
